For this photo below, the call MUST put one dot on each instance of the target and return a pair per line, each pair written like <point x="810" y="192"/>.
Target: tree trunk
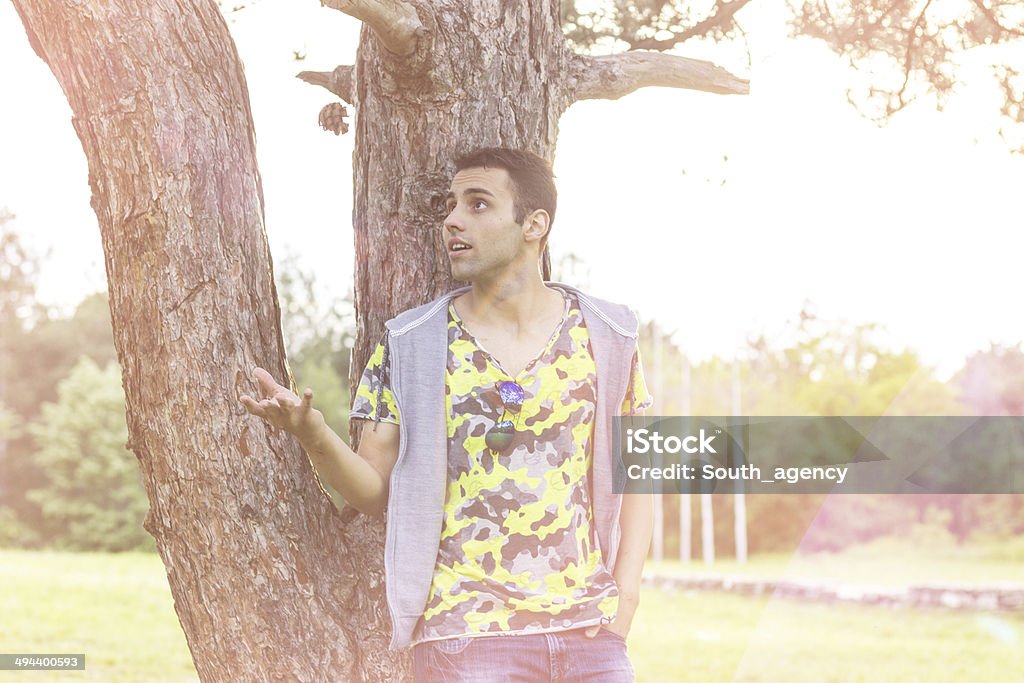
<point x="269" y="581"/>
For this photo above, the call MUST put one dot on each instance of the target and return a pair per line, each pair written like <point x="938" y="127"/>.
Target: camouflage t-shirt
<point x="518" y="552"/>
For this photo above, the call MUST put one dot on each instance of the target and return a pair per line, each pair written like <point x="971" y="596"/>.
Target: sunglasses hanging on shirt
<point x="499" y="437"/>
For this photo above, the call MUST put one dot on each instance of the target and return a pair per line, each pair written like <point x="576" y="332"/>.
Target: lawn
<point x="117" y="610"/>
<point x="712" y="636"/>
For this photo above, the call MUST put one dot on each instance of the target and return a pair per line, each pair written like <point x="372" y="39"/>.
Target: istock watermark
<point x="820" y="454"/>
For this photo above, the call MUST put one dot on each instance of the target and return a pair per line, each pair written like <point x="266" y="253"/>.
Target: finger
<point x="307" y="399"/>
<point x="268" y="386"/>
<point x="285" y="403"/>
<point x="251" y="405"/>
<point x="592" y="631"/>
<point x="286" y="395"/>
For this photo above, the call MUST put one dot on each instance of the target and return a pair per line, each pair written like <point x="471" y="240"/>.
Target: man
<point x="489" y="443"/>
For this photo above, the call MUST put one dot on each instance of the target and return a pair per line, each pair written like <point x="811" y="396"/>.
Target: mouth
<point x="457" y="246"/>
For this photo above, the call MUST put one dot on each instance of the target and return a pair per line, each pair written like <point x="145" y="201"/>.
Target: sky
<point x="912" y="225"/>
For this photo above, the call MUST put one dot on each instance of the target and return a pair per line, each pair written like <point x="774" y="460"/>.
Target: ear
<point x="536" y="225"/>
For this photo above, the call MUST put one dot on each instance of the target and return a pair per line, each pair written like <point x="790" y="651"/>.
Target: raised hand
<point x="282" y="408"/>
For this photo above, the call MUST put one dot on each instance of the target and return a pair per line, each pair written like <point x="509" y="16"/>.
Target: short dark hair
<point x="533" y="183"/>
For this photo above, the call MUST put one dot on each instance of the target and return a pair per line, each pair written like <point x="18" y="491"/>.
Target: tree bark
<point x="269" y="581"/>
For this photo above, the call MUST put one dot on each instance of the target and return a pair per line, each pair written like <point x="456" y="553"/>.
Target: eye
<point x="479" y="204"/>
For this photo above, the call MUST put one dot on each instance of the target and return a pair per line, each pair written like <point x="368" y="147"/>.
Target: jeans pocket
<point x="452" y="646"/>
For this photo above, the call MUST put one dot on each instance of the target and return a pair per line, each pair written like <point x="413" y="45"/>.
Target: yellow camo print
<point x="364" y="404"/>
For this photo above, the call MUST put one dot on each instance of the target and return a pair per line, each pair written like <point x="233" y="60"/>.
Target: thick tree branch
<point x="612" y="76"/>
<point x="338" y="81"/>
<point x="395" y="23"/>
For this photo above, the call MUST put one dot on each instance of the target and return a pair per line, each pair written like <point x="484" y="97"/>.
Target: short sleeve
<point x="374" y="385"/>
<point x="637" y="399"/>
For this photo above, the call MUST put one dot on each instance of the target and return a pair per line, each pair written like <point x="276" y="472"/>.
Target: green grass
<point x="114" y="608"/>
<point x="117" y="609"/>
<point x="709" y="637"/>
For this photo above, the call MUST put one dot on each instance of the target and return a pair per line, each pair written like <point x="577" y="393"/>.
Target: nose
<point x="452" y="221"/>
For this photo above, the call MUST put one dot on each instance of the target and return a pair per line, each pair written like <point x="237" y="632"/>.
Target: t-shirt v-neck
<point x="543" y="352"/>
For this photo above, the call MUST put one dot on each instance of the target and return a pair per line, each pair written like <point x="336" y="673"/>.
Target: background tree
<point x="37" y="352"/>
<point x="19" y="311"/>
<point x="13" y="530"/>
<point x="992" y="381"/>
<point x="45" y="353"/>
<point x="17" y="290"/>
<point x="18" y="270"/>
<point x="92" y="497"/>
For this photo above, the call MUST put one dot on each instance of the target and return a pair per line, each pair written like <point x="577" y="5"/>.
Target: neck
<point x="514" y="299"/>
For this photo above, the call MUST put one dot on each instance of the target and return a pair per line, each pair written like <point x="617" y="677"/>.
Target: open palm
<point x="280" y="406"/>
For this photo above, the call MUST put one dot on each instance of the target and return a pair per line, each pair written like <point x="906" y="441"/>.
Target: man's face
<point x="481" y="234"/>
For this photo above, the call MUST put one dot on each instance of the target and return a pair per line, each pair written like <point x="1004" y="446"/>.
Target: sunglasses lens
<point x="500" y="435"/>
<point x="511" y="396"/>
